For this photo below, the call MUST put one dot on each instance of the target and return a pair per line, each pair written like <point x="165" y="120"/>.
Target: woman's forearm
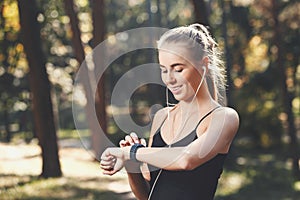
<point x="174" y="158"/>
<point x="139" y="186"/>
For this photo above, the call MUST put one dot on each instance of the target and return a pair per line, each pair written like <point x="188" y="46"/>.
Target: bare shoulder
<point x="162" y="112"/>
<point x="160" y="115"/>
<point x="228" y="112"/>
<point x="228" y="117"/>
<point x="158" y="119"/>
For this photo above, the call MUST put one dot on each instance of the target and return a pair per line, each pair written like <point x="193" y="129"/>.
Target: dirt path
<point x="23" y="160"/>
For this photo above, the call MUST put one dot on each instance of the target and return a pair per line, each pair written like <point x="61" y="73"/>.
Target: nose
<point x="170" y="78"/>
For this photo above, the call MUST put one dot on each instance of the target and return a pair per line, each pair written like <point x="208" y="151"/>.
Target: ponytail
<point x="198" y="40"/>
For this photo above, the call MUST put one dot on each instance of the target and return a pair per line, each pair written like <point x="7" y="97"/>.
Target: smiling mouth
<point x="174" y="89"/>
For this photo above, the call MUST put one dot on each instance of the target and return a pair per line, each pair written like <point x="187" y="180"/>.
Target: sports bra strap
<point x="207" y="114"/>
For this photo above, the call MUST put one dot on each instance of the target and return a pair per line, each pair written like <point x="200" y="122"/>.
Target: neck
<point x="202" y="101"/>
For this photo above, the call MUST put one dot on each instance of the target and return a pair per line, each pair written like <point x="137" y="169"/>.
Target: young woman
<point x="189" y="141"/>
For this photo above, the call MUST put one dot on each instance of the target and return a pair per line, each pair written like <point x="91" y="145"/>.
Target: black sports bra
<point x="200" y="183"/>
<point x="192" y="135"/>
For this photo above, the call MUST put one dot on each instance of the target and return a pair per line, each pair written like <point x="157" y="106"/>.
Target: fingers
<point x="111" y="167"/>
<point x="143" y="142"/>
<point x="106" y="155"/>
<point x="109" y="172"/>
<point x="106" y="158"/>
<point x="110" y="162"/>
<point x="107" y="162"/>
<point x="134" y="137"/>
<point x="131" y="139"/>
<point x="124" y="143"/>
<point x="107" y="165"/>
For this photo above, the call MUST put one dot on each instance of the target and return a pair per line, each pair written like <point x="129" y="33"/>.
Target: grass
<point x="74" y="134"/>
<point x="260" y="174"/>
<point x="31" y="187"/>
<point x="259" y="182"/>
<point x="249" y="173"/>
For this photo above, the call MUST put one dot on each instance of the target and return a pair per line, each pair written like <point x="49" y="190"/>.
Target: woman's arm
<point x="138" y="173"/>
<point x="111" y="164"/>
<point x="139" y="186"/>
<point x="139" y="181"/>
<point x="216" y="139"/>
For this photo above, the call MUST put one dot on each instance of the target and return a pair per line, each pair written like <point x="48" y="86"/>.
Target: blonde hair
<point x="198" y="41"/>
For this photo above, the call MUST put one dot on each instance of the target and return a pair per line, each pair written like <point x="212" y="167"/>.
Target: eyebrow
<point x="173" y="65"/>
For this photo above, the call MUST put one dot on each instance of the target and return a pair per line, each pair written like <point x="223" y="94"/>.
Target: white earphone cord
<point x="167" y="99"/>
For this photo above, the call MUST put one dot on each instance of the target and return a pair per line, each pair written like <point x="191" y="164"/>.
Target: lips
<point x="175" y="90"/>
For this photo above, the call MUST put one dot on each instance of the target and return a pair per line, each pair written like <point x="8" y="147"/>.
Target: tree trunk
<point x="287" y="95"/>
<point x="158" y="90"/>
<point x="89" y="81"/>
<point x="99" y="31"/>
<point x="200" y="12"/>
<point x="7" y="80"/>
<point x="6" y="121"/>
<point x="76" y="40"/>
<point x="40" y="88"/>
<point x="225" y="8"/>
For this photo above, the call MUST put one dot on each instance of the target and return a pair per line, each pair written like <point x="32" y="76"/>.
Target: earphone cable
<point x="186" y="119"/>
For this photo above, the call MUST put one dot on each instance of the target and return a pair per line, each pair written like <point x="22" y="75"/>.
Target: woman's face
<point x="181" y="77"/>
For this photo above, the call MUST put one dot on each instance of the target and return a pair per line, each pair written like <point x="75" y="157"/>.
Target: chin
<point x="183" y="97"/>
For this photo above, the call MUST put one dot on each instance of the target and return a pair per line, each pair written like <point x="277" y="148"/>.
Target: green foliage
<point x="250" y="174"/>
<point x="14" y="91"/>
<point x="251" y="25"/>
<point x="259" y="166"/>
<point x="258" y="84"/>
<point x="253" y="173"/>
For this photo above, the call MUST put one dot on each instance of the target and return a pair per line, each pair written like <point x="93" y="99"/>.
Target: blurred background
<point x="43" y="43"/>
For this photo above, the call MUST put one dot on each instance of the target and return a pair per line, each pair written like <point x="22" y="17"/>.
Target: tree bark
<point x="89" y="81"/>
<point x="200" y="12"/>
<point x="99" y="32"/>
<point x="225" y="8"/>
<point x="76" y="40"/>
<point x="286" y="94"/>
<point x="40" y="88"/>
<point x="7" y="79"/>
<point x="6" y="122"/>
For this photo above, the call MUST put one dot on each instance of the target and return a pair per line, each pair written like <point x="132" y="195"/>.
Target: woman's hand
<point x="131" y="139"/>
<point x="112" y="159"/>
<point x="109" y="164"/>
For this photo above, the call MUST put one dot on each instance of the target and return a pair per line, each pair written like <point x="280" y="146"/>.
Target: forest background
<point x="43" y="44"/>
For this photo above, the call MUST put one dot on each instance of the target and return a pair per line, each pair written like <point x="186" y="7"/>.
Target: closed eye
<point x="179" y="70"/>
<point x="177" y="67"/>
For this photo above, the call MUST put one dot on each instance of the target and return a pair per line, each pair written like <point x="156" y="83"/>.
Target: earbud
<point x="204" y="70"/>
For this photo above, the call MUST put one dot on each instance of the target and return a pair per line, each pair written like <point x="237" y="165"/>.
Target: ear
<point x="204" y="64"/>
